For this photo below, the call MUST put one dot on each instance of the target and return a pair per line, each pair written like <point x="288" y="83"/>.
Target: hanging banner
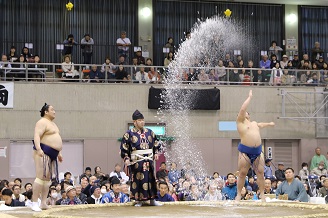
<point x="6" y="95"/>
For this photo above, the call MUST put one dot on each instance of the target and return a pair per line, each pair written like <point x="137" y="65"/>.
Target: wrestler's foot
<point x="238" y="198"/>
<point x="35" y="207"/>
<point x="262" y="198"/>
<point x="44" y="206"/>
<point x="155" y="203"/>
<point x="138" y="204"/>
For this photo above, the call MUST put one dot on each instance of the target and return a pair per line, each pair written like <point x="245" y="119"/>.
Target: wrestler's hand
<point x="250" y="93"/>
<point x="156" y="157"/>
<point x="272" y="124"/>
<point x="40" y="152"/>
<point x="60" y="158"/>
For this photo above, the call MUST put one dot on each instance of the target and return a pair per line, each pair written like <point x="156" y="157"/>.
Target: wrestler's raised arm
<point x="242" y="113"/>
<point x="262" y="125"/>
<point x="40" y="128"/>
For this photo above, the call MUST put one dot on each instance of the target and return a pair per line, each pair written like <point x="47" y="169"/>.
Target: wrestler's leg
<point x="44" y="194"/>
<point x="259" y="170"/>
<point x="243" y="167"/>
<point x="38" y="182"/>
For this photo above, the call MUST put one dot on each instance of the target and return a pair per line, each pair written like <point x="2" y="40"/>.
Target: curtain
<point x="46" y="23"/>
<point x="263" y="23"/>
<point x="313" y="28"/>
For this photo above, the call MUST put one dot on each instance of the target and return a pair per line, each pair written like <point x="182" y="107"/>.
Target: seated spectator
<point x="115" y="195"/>
<point x="276" y="74"/>
<point x="95" y="75"/>
<point x="318" y="182"/>
<point x="12" y="56"/>
<point x="194" y="194"/>
<point x="154" y="75"/>
<point x="267" y="187"/>
<point x="324" y="76"/>
<point x="18" y="73"/>
<point x="71" y="197"/>
<point x="96" y="196"/>
<point x="284" y="62"/>
<point x="280" y="172"/>
<point x="319" y="170"/>
<point x="125" y="189"/>
<point x="87" y="173"/>
<point x="213" y="194"/>
<point x="323" y="191"/>
<point x="63" y="197"/>
<point x="140" y="59"/>
<point x="233" y="74"/>
<point x="36" y="74"/>
<point x="220" y="70"/>
<point x="308" y="190"/>
<point x="304" y="172"/>
<point x="68" y="68"/>
<point x="119" y="174"/>
<point x="203" y="77"/>
<point x="51" y="200"/>
<point x="174" y="174"/>
<point x="9" y="201"/>
<point x="121" y="74"/>
<point x="148" y="64"/>
<point x="17" y="193"/>
<point x="252" y="183"/>
<point x="292" y="187"/>
<point x="265" y="63"/>
<point x="306" y="60"/>
<point x="162" y="172"/>
<point x="168" y="59"/>
<point x="287" y="79"/>
<point x="142" y="76"/>
<point x="27" y="187"/>
<point x="273" y="61"/>
<point x="67" y="178"/>
<point x="28" y="57"/>
<point x="230" y="190"/>
<point x="98" y="172"/>
<point x="213" y="76"/>
<point x="319" y="63"/>
<point x="80" y="195"/>
<point x="170" y="45"/>
<point x="183" y="190"/>
<point x="108" y="68"/>
<point x="163" y="194"/>
<point x="4" y="64"/>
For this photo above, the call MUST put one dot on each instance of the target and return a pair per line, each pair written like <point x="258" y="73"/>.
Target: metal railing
<point x="52" y="72"/>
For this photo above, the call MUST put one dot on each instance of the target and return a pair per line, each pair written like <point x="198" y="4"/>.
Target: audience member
<point x="119" y="174"/>
<point x="280" y="172"/>
<point x="317" y="158"/>
<point x="87" y="173"/>
<point x="275" y="49"/>
<point x="292" y="187"/>
<point x="230" y="190"/>
<point x="115" y="195"/>
<point x="140" y="58"/>
<point x="268" y="168"/>
<point x="123" y="45"/>
<point x="142" y="76"/>
<point x="170" y="45"/>
<point x="68" y="46"/>
<point x="267" y="186"/>
<point x="168" y="59"/>
<point x="12" y="56"/>
<point x="323" y="191"/>
<point x="319" y="170"/>
<point x="68" y="68"/>
<point x="80" y="195"/>
<point x="284" y="61"/>
<point x="95" y="75"/>
<point x="51" y="200"/>
<point x="9" y="201"/>
<point x="71" y="197"/>
<point x="28" y="57"/>
<point x="162" y="172"/>
<point x="304" y="172"/>
<point x="121" y="74"/>
<point x="87" y="48"/>
<point x="316" y="52"/>
<point x="63" y="197"/>
<point x="174" y="174"/>
<point x="17" y="193"/>
<point x="163" y="194"/>
<point x="213" y="193"/>
<point x="108" y="68"/>
<point x="96" y="196"/>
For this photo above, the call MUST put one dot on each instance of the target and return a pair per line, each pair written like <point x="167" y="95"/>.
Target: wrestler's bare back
<point x="249" y="133"/>
<point x="51" y="136"/>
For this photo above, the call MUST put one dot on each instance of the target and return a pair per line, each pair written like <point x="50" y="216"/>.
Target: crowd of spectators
<point x="274" y="68"/>
<point x="175" y="184"/>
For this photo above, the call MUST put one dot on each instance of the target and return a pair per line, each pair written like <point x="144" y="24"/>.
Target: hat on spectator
<point x="281" y="163"/>
<point x="92" y="190"/>
<point x="137" y="115"/>
<point x="69" y="188"/>
<point x="320" y="56"/>
<point x="88" y="168"/>
<point x="296" y="54"/>
<point x="268" y="160"/>
<point x="249" y="188"/>
<point x="284" y="56"/>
